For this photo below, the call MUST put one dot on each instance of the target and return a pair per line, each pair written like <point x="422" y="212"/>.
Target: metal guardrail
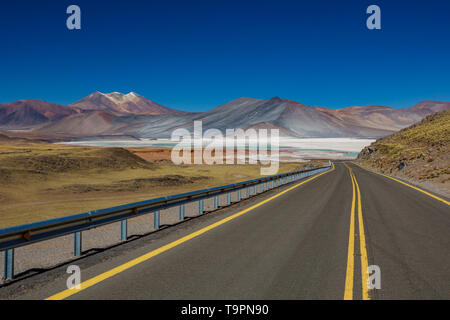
<point x="26" y="234"/>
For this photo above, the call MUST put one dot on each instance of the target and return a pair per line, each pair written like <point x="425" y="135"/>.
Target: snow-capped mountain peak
<point x="119" y="103"/>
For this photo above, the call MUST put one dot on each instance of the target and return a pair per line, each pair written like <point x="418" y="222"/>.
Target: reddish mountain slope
<point x="84" y="124"/>
<point x="427" y="107"/>
<point x="25" y="113"/>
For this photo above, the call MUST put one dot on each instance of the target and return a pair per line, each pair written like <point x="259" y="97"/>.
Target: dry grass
<point x="433" y="131"/>
<point x="42" y="181"/>
<point x="419" y="153"/>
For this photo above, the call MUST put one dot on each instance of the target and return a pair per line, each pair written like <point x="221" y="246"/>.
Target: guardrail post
<point x="77" y="244"/>
<point x="182" y="212"/>
<point x="239" y="194"/>
<point x="156" y="219"/>
<point x="216" y="202"/>
<point x="261" y="185"/>
<point x="123" y="230"/>
<point x="200" y="206"/>
<point x="248" y="192"/>
<point x="273" y="184"/>
<point x="229" y="198"/>
<point x="255" y="189"/>
<point x="267" y="185"/>
<point x="9" y="264"/>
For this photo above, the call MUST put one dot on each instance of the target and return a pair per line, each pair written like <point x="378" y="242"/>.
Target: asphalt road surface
<point x="314" y="241"/>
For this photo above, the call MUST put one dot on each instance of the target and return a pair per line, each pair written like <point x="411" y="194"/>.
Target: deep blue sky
<point x="195" y="55"/>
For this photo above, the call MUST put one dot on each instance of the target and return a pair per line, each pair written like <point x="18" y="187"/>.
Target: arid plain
<point x="40" y="180"/>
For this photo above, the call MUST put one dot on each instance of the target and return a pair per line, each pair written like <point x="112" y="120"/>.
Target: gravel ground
<point x="51" y="253"/>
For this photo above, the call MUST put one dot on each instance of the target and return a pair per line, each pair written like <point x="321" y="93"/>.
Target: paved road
<point x="304" y="244"/>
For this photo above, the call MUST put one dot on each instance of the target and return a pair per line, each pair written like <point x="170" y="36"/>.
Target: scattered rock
<point x="401" y="165"/>
<point x="366" y="152"/>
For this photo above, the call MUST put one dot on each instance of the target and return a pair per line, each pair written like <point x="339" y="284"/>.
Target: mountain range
<point x="117" y="114"/>
<point x="122" y="104"/>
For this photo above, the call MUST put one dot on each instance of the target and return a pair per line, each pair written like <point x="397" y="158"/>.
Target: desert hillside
<point x="419" y="153"/>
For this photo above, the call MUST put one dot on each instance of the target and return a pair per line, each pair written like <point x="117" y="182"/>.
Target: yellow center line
<point x="108" y="274"/>
<point x="348" y="293"/>
<point x="362" y="246"/>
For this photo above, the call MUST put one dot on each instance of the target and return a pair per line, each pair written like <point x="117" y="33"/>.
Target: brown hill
<point x="84" y="124"/>
<point x="427" y="107"/>
<point x="26" y="113"/>
<point x="419" y="153"/>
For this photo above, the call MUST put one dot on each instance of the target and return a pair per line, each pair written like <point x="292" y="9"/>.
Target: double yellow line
<point x="348" y="294"/>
